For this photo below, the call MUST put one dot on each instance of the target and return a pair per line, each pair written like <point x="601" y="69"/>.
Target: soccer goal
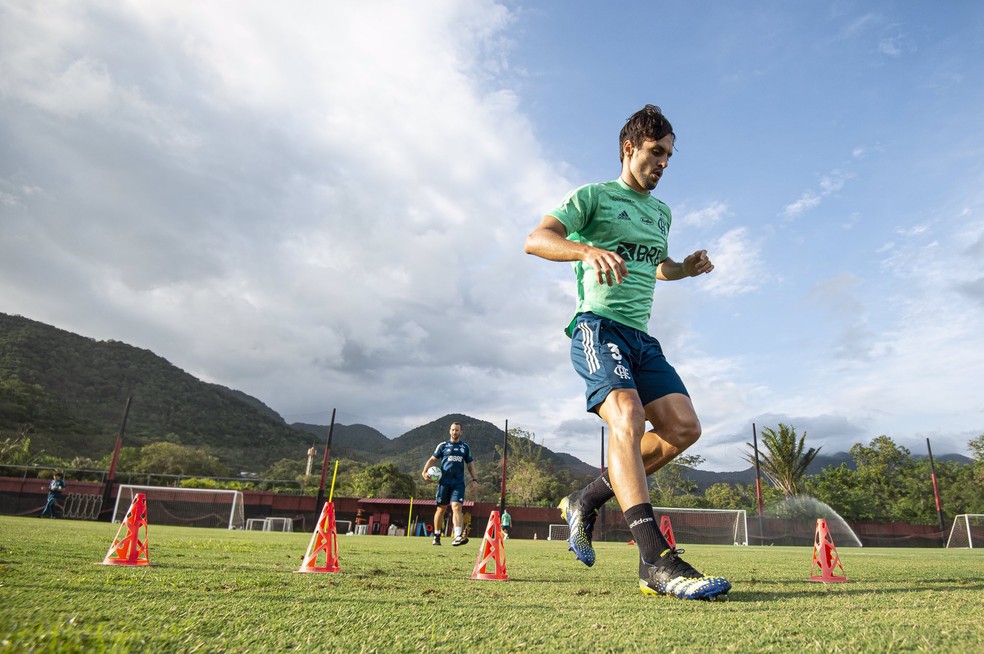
<point x="190" y="507"/>
<point x="706" y="526"/>
<point x="558" y="532"/>
<point x="967" y="531"/>
<point x="278" y="524"/>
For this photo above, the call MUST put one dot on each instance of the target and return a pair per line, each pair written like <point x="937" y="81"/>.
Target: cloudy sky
<point x="323" y="204"/>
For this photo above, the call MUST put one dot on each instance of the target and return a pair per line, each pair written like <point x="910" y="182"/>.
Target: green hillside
<point x="72" y="390"/>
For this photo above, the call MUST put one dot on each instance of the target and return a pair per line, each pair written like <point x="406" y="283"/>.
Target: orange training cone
<point x="825" y="559"/>
<point x="131" y="549"/>
<point x="667" y="529"/>
<point x="324" y="539"/>
<point x="493" y="550"/>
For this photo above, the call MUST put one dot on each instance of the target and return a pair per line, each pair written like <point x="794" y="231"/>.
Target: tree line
<point x="887" y="484"/>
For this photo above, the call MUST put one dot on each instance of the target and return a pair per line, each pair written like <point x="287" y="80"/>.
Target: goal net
<point x="189" y="507"/>
<point x="967" y="531"/>
<point x="693" y="526"/>
<point x="558" y="532"/>
<point x="706" y="526"/>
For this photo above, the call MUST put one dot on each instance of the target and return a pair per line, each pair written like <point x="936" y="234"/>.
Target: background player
<point x="453" y="455"/>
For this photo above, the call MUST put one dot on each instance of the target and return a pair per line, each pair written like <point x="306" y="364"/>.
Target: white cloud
<point x="828" y="185"/>
<point x="707" y="216"/>
<point x="807" y="201"/>
<point x="738" y="266"/>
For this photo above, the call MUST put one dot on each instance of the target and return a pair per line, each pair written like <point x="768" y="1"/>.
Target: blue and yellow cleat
<point x="581" y="524"/>
<point x="674" y="577"/>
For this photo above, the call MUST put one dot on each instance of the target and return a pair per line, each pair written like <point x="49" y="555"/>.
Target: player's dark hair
<point x="647" y="123"/>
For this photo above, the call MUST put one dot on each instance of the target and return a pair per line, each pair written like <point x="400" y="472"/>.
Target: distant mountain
<point x="483" y="438"/>
<point x="410" y="450"/>
<point x="356" y="442"/>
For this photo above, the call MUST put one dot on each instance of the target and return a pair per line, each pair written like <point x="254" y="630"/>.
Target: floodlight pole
<point x="324" y="466"/>
<point x="936" y="492"/>
<point x="502" y="484"/>
<point x="758" y="485"/>
<point x="111" y="475"/>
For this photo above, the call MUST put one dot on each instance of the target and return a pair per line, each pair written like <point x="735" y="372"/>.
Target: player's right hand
<point x="609" y="267"/>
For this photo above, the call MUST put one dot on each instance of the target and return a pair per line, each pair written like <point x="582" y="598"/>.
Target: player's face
<point x="645" y="164"/>
<point x="455" y="432"/>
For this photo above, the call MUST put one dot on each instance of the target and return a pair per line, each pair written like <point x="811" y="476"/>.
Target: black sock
<point x="645" y="531"/>
<point x="597" y="492"/>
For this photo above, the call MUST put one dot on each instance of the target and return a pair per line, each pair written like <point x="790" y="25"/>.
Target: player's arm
<point x="549" y="241"/>
<point x="471" y="469"/>
<point x="423" y="473"/>
<point x="695" y="264"/>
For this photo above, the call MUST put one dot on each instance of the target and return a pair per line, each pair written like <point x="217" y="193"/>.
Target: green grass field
<point x="210" y="590"/>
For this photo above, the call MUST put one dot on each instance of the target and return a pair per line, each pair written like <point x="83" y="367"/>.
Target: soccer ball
<point x="434" y="473"/>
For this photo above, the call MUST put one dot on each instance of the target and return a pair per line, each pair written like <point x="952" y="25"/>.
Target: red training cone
<point x="825" y="559"/>
<point x="324" y="539"/>
<point x="493" y="550"/>
<point x="131" y="549"/>
<point x="667" y="529"/>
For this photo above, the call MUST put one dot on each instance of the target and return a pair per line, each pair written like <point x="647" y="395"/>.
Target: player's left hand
<point x="697" y="263"/>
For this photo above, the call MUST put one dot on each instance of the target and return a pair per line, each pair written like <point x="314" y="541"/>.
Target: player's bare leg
<point x="675" y="415"/>
<point x="661" y="570"/>
<point x="438" y="522"/>
<point x="625" y="416"/>
<point x="459" y="536"/>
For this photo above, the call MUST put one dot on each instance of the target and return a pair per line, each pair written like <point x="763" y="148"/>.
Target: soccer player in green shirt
<point x="615" y="235"/>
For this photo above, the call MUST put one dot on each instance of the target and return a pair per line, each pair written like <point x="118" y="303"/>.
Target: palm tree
<point x="784" y="462"/>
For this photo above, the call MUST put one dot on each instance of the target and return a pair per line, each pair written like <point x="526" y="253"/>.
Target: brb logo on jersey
<point x="638" y="252"/>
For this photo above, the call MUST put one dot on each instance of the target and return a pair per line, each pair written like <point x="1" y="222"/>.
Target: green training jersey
<point x="612" y="216"/>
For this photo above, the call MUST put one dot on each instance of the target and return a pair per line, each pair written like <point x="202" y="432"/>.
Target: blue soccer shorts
<point x="609" y="355"/>
<point x="447" y="493"/>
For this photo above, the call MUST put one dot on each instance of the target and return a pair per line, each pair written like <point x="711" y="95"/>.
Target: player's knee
<point x="683" y="434"/>
<point x="626" y="429"/>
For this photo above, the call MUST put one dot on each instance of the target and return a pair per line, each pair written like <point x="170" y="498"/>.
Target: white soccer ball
<point x="434" y="473"/>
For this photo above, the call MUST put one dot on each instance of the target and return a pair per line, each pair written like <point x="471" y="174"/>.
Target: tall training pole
<point x="936" y="493"/>
<point x="111" y="476"/>
<point x="502" y="484"/>
<point x="324" y="465"/>
<point x="758" y="485"/>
